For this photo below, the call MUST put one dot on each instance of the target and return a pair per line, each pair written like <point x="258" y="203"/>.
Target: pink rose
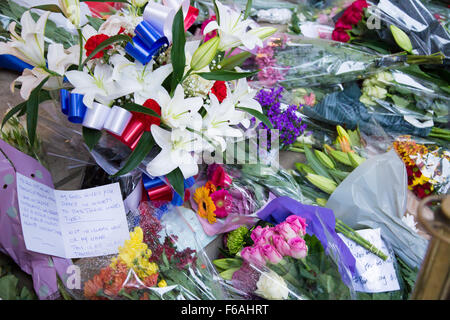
<point x="256" y="233"/>
<point x="298" y="224"/>
<point x="254" y="255"/>
<point x="271" y="254"/>
<point x="267" y="234"/>
<point x="298" y="248"/>
<point x="261" y="241"/>
<point x="359" y="5"/>
<point x="281" y="245"/>
<point x="285" y="230"/>
<point x="341" y="24"/>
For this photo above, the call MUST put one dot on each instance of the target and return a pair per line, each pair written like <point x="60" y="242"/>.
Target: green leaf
<point x="225" y="75"/>
<point x="13" y="111"/>
<point x="91" y="137"/>
<point x="258" y="115"/>
<point x="177" y="53"/>
<point x="143" y="148"/>
<point x="141" y="109"/>
<point x="8" y="287"/>
<point x="216" y="10"/>
<point x="228" y="274"/>
<point x="399" y="101"/>
<point x="248" y="8"/>
<point x="176" y="180"/>
<point x="227" y="263"/>
<point x="49" y="7"/>
<point x="234" y="61"/>
<point x="32" y="111"/>
<point x="107" y="42"/>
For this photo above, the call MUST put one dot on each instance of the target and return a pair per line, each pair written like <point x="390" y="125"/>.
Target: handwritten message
<point x="373" y="274"/>
<point x="71" y="224"/>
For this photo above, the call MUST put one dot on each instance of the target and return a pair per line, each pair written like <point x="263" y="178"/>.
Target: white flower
<point x="100" y="86"/>
<point x="375" y="92"/>
<point x="244" y="96"/>
<point x="271" y="286"/>
<point x="176" y="152"/>
<point x="60" y="59"/>
<point x="115" y="22"/>
<point x="140" y="79"/>
<point x="194" y="84"/>
<point x="233" y="29"/>
<point x="409" y="221"/>
<point x="28" y="47"/>
<point x="178" y="112"/>
<point x="217" y="122"/>
<point x="71" y="10"/>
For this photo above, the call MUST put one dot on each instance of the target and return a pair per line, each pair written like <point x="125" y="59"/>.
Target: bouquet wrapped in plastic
<point x="152" y="264"/>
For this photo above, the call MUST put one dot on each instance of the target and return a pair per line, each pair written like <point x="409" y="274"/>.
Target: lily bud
<point x="205" y="54"/>
<point x="71" y="10"/>
<point x="401" y="38"/>
<point x="263" y="32"/>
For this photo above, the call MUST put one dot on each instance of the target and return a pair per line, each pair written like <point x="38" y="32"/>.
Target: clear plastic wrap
<point x="152" y="265"/>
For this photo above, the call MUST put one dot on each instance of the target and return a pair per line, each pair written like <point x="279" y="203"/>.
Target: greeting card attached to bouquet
<point x="373" y="275"/>
<point x="71" y="224"/>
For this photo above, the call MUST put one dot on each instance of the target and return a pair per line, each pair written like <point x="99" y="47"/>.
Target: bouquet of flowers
<point x="150" y="266"/>
<point x="138" y="79"/>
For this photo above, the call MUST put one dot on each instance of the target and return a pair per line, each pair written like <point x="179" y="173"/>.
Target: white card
<point x="373" y="274"/>
<point x="71" y="224"/>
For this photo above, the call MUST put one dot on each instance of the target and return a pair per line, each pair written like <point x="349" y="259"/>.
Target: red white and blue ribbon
<point x="158" y="190"/>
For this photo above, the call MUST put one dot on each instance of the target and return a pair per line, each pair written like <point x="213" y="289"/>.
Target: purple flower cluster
<point x="287" y="120"/>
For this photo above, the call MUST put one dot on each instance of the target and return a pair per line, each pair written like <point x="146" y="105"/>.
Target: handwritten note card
<point x="373" y="275"/>
<point x="71" y="224"/>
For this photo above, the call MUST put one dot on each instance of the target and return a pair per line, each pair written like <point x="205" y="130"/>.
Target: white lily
<point x="217" y="122"/>
<point x="140" y="79"/>
<point x="100" y="86"/>
<point x="71" y="10"/>
<point x="177" y="149"/>
<point x="233" y="29"/>
<point x="244" y="96"/>
<point x="29" y="46"/>
<point x="178" y="112"/>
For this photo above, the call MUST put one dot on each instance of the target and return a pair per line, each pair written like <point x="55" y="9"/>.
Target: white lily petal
<point x="161" y="164"/>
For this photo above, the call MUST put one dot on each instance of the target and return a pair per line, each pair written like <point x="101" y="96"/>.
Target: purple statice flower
<point x="287" y="120"/>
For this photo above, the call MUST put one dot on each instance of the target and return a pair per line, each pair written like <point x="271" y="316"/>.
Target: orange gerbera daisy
<point x="206" y="206"/>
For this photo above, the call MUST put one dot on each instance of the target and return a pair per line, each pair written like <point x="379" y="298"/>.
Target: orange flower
<point x="206" y="206"/>
<point x="345" y="145"/>
<point x="211" y="187"/>
<point x="92" y="287"/>
<point x="151" y="281"/>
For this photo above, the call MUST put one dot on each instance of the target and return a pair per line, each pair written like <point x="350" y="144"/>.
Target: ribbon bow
<point x="158" y="190"/>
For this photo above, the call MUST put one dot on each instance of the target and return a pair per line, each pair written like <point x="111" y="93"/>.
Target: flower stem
<point x="80" y="36"/>
<point x="352" y="235"/>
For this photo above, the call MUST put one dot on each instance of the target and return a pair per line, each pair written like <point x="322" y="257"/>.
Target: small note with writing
<point x="71" y="224"/>
<point x="373" y="274"/>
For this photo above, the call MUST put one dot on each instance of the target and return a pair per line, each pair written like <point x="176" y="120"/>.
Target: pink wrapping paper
<point x="43" y="268"/>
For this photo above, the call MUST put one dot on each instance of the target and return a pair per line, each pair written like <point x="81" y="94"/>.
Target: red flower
<point x="340" y="35"/>
<point x="217" y="175"/>
<point x="219" y="89"/>
<point x="359" y="5"/>
<point x="212" y="34"/>
<point x="341" y="24"/>
<point x="93" y="42"/>
<point x="149" y="120"/>
<point x="352" y="16"/>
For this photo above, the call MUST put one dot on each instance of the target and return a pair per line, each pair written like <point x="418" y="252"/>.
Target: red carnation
<point x="149" y="120"/>
<point x="340" y="35"/>
<point x="93" y="42"/>
<point x="219" y="89"/>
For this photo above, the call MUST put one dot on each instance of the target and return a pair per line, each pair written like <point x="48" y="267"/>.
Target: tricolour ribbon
<point x="158" y="190"/>
<point x="72" y="106"/>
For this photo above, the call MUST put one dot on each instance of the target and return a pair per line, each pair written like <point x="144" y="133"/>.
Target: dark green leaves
<point x="91" y="137"/>
<point x="225" y="75"/>
<point x="176" y="180"/>
<point x="234" y="61"/>
<point x="13" y="111"/>
<point x="106" y="43"/>
<point x="217" y="12"/>
<point x="49" y="7"/>
<point x="258" y="115"/>
<point x="177" y="54"/>
<point x="138" y="108"/>
<point x="143" y="148"/>
<point x="32" y="111"/>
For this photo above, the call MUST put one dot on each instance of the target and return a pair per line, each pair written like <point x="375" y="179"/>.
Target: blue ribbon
<point x="72" y="105"/>
<point x="13" y="63"/>
<point x="150" y="183"/>
<point x="147" y="42"/>
<point x="177" y="200"/>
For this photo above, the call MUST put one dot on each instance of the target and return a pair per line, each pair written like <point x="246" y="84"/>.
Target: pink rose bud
<point x="271" y="254"/>
<point x="261" y="241"/>
<point x="297" y="223"/>
<point x="298" y="247"/>
<point x="267" y="234"/>
<point x="254" y="255"/>
<point x="256" y="233"/>
<point x="281" y="245"/>
<point x="286" y="231"/>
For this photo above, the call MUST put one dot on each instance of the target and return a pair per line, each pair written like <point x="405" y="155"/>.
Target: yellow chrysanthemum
<point x="162" y="283"/>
